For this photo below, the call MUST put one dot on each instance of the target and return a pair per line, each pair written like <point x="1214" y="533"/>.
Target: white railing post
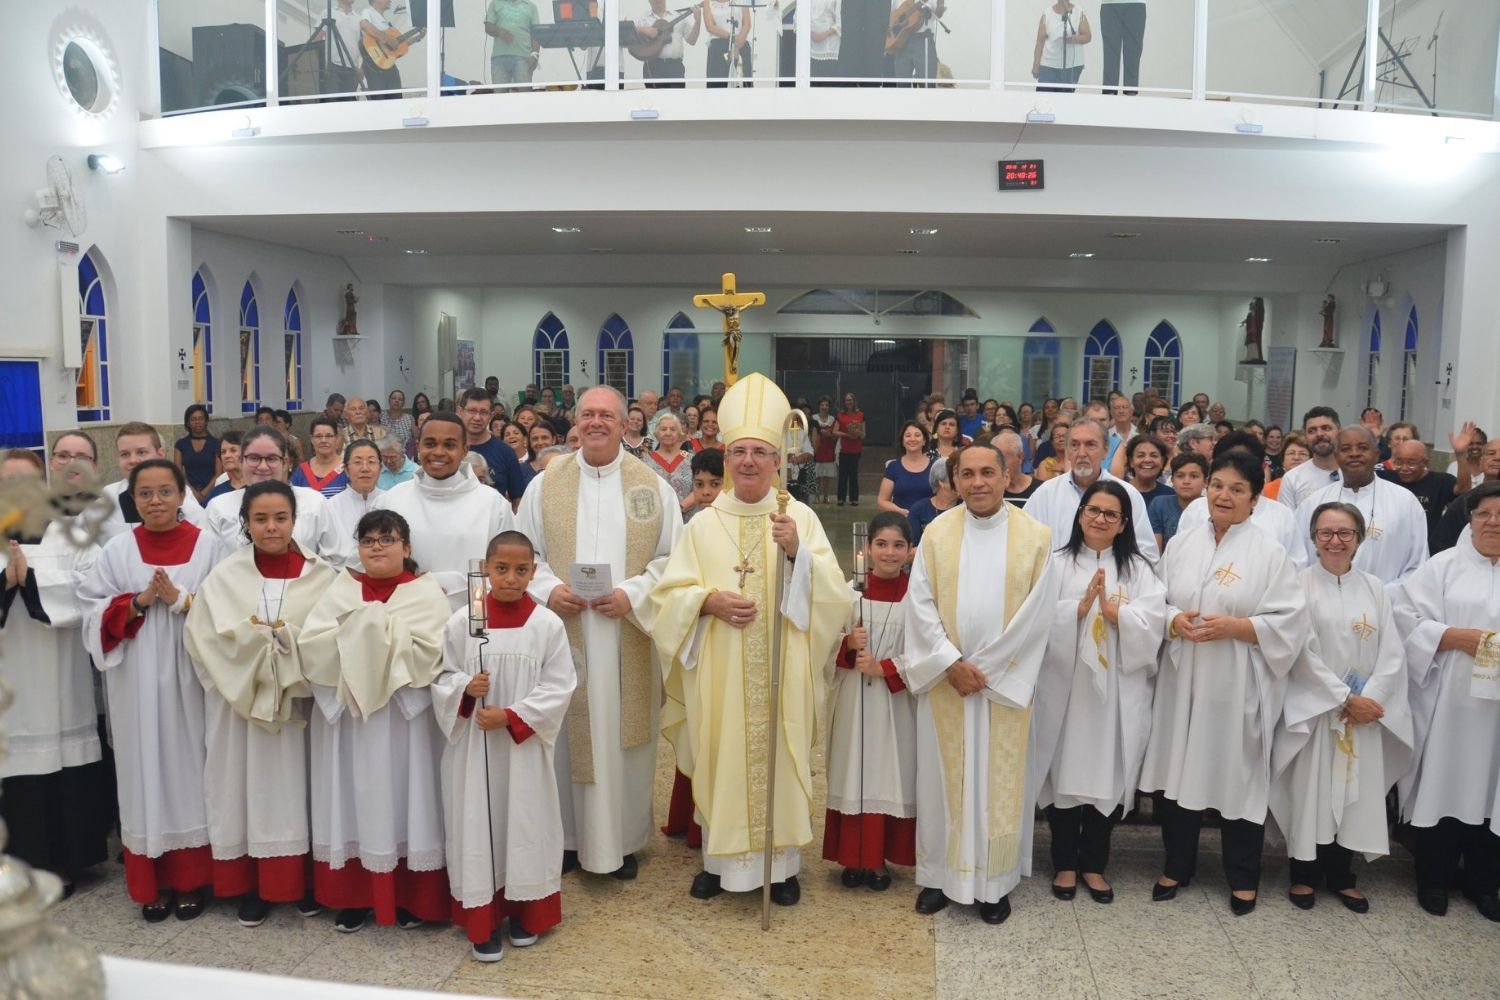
<point x="273" y="64"/>
<point x="1200" y="49"/>
<point x="1372" y="49"/>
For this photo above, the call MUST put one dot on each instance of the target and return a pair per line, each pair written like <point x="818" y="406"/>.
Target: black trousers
<point x="718" y="65"/>
<point x="1333" y="866"/>
<point x="1080" y="838"/>
<point x="1124" y="28"/>
<point x="848" y="477"/>
<point x="378" y="79"/>
<point x="663" y="74"/>
<point x="60" y="821"/>
<point x="1243" y="842"/>
<point x="1440" y="849"/>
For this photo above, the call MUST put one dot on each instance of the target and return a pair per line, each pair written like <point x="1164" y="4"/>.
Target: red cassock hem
<point x="536" y="915"/>
<point x="354" y="887"/>
<point x="276" y="880"/>
<point x="869" y="840"/>
<point x="680" y="812"/>
<point x="187" y="870"/>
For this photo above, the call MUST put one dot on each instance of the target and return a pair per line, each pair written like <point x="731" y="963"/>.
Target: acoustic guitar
<point x="649" y="48"/>
<point x="906" y="20"/>
<point x="384" y="47"/>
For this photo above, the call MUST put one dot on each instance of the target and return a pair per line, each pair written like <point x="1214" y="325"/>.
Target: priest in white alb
<point x="452" y="514"/>
<point x="1449" y="611"/>
<point x="978" y="610"/>
<point x="713" y="630"/>
<point x="604" y="507"/>
<point x="1395" y="542"/>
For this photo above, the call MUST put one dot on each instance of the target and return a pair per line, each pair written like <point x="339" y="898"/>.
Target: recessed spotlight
<point x="349" y="232"/>
<point x="1081" y="255"/>
<point x="601" y="249"/>
<point x="924" y="232"/>
<point x="414" y="252"/>
<point x="1249" y="128"/>
<point x="566" y="229"/>
<point x="1123" y="236"/>
<point x="1327" y="241"/>
<point x="907" y="252"/>
<point x="772" y="250"/>
<point x="757" y="229"/>
<point x="884" y="343"/>
<point x="1040" y="117"/>
<point x="1257" y="260"/>
<point x="105" y="163"/>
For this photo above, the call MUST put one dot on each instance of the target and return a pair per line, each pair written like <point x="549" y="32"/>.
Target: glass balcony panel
<point x="212" y="60"/>
<point x="520" y="46"/>
<point x="1134" y="47"/>
<point x="703" y="37"/>
<point x="938" y="45"/>
<point x="1438" y="57"/>
<point x="1286" y="51"/>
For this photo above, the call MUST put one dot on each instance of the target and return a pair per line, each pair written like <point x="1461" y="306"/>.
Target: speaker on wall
<point x="177" y="92"/>
<point x="229" y="63"/>
<point x="419" y="14"/>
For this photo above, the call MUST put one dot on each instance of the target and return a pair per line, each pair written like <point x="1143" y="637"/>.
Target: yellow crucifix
<point x="731" y="302"/>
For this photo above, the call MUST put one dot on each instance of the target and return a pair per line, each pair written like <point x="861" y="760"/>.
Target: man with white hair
<point x="1055" y="502"/>
<point x="603" y="510"/>
<point x="1019" y="486"/>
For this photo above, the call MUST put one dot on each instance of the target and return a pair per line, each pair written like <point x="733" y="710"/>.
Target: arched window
<point x="203" y="343"/>
<point x="1372" y="362"/>
<point x="92" y="390"/>
<point x="549" y="353"/>
<point x="249" y="350"/>
<point x="1040" y="366"/>
<point x="617" y="355"/>
<point x="679" y="356"/>
<point x="1101" y="362"/>
<point x="292" y="343"/>
<point x="1409" y="364"/>
<point x="1164" y="362"/>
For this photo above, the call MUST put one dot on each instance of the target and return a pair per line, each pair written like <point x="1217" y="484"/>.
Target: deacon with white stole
<point x="264" y="458"/>
<point x="136" y="442"/>
<point x="1449" y="611"/>
<point x="602" y="516"/>
<point x="1395" y="542"/>
<point x="1345" y="734"/>
<point x="452" y="514"/>
<point x="713" y="630"/>
<point x="973" y="656"/>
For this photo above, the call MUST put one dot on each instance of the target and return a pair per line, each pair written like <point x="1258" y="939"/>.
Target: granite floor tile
<point x="104" y="913"/>
<point x="1014" y="972"/>
<point x="484" y="988"/>
<point x="117" y="949"/>
<point x="421" y="958"/>
<point x="275" y="947"/>
<point x="1351" y="975"/>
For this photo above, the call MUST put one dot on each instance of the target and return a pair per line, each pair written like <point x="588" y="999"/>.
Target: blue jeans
<point x="510" y="69"/>
<point x="1052" y="75"/>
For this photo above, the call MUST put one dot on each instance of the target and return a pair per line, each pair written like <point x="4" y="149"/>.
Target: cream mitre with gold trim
<point x="754" y="407"/>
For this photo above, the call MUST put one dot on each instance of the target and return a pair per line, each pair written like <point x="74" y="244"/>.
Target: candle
<point x="859" y="565"/>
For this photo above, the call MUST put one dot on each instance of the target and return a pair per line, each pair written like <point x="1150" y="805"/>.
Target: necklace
<point x="744" y="569"/>
<point x="265" y="599"/>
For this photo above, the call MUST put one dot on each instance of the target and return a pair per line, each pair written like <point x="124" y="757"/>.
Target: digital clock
<point x="1021" y="175"/>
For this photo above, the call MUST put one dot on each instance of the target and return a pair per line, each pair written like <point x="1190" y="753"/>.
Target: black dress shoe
<point x="1064" y="892"/>
<point x="1358" y="904"/>
<point x="1239" y="907"/>
<point x="1302" y="900"/>
<point x="786" y="893"/>
<point x="627" y="869"/>
<point x="930" y="901"/>
<point x="1489" y="906"/>
<point x="570" y="861"/>
<point x="995" y="913"/>
<point x="880" y="881"/>
<point x="1161" y="893"/>
<point x="705" y="886"/>
<point x="852" y="878"/>
<point x="1100" y="895"/>
<point x="1434" y="901"/>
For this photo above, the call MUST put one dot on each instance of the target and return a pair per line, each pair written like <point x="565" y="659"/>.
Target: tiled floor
<point x="650" y="939"/>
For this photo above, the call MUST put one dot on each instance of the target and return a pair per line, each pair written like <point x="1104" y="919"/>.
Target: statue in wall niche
<point x="348" y="326"/>
<point x="1254" y="324"/>
<point x="1330" y="306"/>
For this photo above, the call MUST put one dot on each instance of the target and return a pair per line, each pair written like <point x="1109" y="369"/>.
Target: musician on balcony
<point x="665" y="67"/>
<point x="376" y="28"/>
<point x="514" y="53"/>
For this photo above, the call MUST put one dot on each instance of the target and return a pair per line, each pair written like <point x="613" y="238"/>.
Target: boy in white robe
<point x="500" y="701"/>
<point x="1331" y="765"/>
<point x="872" y="721"/>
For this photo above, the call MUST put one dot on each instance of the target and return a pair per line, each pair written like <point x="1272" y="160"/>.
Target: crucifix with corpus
<point x="730" y="301"/>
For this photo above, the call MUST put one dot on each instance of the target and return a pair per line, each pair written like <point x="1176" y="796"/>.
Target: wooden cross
<point x="730" y="302"/>
<point x="744" y="569"/>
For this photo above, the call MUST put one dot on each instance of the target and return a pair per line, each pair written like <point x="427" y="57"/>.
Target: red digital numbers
<point x="1021" y="175"/>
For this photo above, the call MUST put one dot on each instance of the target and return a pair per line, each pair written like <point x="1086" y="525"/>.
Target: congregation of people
<point x="415" y="671"/>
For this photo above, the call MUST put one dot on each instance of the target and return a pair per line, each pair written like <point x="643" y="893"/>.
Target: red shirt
<point x="851" y="445"/>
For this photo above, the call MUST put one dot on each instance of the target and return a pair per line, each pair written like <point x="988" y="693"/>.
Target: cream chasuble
<point x="718" y="678"/>
<point x="975" y="789"/>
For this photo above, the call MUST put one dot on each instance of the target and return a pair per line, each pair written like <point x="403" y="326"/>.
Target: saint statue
<point x="1254" y="323"/>
<point x="1330" y="305"/>
<point x="348" y="325"/>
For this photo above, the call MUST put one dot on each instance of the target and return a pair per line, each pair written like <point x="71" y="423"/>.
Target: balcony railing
<point x="1431" y="57"/>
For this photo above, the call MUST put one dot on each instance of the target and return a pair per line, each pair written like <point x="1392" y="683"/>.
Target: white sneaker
<point x="490" y="951"/>
<point x="520" y="937"/>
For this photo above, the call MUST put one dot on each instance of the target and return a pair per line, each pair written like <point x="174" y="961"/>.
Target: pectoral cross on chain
<point x="744" y="569"/>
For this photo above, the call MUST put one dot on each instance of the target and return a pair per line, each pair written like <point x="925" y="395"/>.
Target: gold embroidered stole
<point x="1027" y="542"/>
<point x="643" y="514"/>
<point x="755" y="669"/>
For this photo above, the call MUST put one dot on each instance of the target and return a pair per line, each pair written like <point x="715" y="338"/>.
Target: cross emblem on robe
<point x="1373" y="531"/>
<point x="1119" y="595"/>
<point x="1364" y="628"/>
<point x="730" y="301"/>
<point x="744" y="569"/>
<point x="1225" y="575"/>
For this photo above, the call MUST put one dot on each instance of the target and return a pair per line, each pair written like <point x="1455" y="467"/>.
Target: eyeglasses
<point x="1100" y="514"/>
<point x="164" y="493"/>
<point x="379" y="541"/>
<point x="1486" y="516"/>
<point x="1329" y="534"/>
<point x="246" y="459"/>
<point x="72" y="456"/>
<point x="759" y="454"/>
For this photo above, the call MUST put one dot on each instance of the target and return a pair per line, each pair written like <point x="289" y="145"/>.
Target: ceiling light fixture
<point x="1249" y="128"/>
<point x="884" y="343"/>
<point x="349" y="232"/>
<point x="757" y="229"/>
<point x="601" y="249"/>
<point x="247" y="132"/>
<point x="1123" y="236"/>
<point x="1040" y="117"/>
<point x="644" y="114"/>
<point x="566" y="229"/>
<point x="1257" y="260"/>
<point x="772" y="250"/>
<point x="105" y="163"/>
<point x="414" y="251"/>
<point x="924" y="232"/>
<point x="1081" y="255"/>
<point x="907" y="251"/>
<point x="415" y="121"/>
<point x="1328" y="241"/>
<point x="377" y="239"/>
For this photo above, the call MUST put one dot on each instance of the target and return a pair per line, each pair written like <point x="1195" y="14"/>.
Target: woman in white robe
<point x="1331" y="766"/>
<point x="138" y="595"/>
<point x="57" y="796"/>
<point x="1449" y="611"/>
<point x="872" y="722"/>
<point x="370" y="648"/>
<point x="242" y="634"/>
<point x="1236" y="620"/>
<point x="1093" y="699"/>
<point x="362" y="495"/>
<point x="500" y="701"/>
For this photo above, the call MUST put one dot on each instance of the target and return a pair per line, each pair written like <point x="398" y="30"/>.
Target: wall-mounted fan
<point x="58" y="204"/>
